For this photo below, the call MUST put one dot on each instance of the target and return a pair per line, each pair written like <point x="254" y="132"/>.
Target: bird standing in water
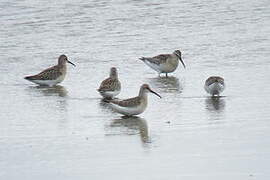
<point x="52" y="75"/>
<point x="164" y="63"/>
<point x="135" y="105"/>
<point x="214" y="85"/>
<point x="111" y="86"/>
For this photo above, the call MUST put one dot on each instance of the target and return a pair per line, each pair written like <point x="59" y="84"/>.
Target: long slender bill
<point x="182" y="62"/>
<point x="154" y="93"/>
<point x="71" y="63"/>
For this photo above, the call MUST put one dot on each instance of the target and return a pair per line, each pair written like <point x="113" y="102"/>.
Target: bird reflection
<point x="55" y="90"/>
<point x="104" y="104"/>
<point x="167" y="84"/>
<point x="134" y="125"/>
<point x="215" y="103"/>
<point x="53" y="101"/>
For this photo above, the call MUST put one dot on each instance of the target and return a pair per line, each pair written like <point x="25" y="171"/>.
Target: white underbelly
<point x="162" y="68"/>
<point x="109" y="94"/>
<point x="129" y="111"/>
<point x="49" y="82"/>
<point x="215" y="88"/>
<point x="154" y="66"/>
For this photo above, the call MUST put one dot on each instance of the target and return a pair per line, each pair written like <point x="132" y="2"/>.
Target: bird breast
<point x="171" y="64"/>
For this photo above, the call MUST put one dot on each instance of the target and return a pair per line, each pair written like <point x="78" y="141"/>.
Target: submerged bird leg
<point x="166" y="74"/>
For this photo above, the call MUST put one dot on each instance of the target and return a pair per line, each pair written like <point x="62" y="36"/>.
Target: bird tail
<point x="142" y="58"/>
<point x="107" y="100"/>
<point x="29" y="78"/>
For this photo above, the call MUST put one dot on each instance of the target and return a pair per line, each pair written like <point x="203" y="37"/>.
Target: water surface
<point x="67" y="132"/>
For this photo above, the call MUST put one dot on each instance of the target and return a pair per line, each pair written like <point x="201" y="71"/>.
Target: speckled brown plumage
<point x="53" y="75"/>
<point x="110" y="84"/>
<point x="164" y="63"/>
<point x="159" y="59"/>
<point x="48" y="74"/>
<point x="131" y="102"/>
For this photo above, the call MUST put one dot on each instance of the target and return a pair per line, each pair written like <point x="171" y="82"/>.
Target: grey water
<point x="67" y="132"/>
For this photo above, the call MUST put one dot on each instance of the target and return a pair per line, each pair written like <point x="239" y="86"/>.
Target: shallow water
<point x="67" y="132"/>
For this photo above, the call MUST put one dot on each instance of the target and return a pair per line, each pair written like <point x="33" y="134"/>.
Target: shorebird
<point x="164" y="63"/>
<point x="111" y="86"/>
<point x="52" y="75"/>
<point x="135" y="105"/>
<point x="214" y="85"/>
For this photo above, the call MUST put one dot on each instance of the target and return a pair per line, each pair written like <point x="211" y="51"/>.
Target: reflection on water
<point x="105" y="107"/>
<point x="55" y="90"/>
<point x="215" y="109"/>
<point x="166" y="84"/>
<point x="104" y="104"/>
<point x="35" y="34"/>
<point x="132" y="125"/>
<point x="215" y="103"/>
